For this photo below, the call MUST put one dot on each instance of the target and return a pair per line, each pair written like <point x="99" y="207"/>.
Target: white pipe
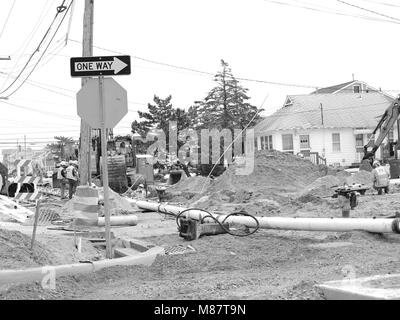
<point x="287" y="223"/>
<point x="8" y="277"/>
<point x="130" y="220"/>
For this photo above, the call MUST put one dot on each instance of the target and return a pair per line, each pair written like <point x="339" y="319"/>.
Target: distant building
<point x="331" y="125"/>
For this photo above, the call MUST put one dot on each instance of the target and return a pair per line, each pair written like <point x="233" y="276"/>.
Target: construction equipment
<point x="385" y="124"/>
<point x="347" y="196"/>
<point x="191" y="229"/>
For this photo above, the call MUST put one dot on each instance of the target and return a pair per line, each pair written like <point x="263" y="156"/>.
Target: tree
<point x="59" y="148"/>
<point x="226" y="104"/>
<point x="159" y="116"/>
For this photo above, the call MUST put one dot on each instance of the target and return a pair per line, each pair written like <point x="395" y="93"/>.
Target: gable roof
<point x="333" y="89"/>
<point x="347" y="110"/>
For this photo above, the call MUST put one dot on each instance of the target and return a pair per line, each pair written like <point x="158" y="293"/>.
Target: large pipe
<point x="128" y="220"/>
<point x="8" y="277"/>
<point x="287" y="223"/>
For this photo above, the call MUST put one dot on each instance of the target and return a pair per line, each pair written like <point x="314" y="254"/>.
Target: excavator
<point x="386" y="123"/>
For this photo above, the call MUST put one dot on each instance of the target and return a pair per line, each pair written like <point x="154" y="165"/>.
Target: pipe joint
<point x="396" y="225"/>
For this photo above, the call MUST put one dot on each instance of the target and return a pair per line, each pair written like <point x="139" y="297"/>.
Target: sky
<point x="276" y="48"/>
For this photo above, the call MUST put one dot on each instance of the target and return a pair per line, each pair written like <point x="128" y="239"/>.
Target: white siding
<point x="321" y="142"/>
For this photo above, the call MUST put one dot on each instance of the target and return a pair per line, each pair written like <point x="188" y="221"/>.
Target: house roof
<point x="347" y="110"/>
<point x="334" y="88"/>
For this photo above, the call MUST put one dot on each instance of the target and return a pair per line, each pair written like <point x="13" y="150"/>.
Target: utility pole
<point x="25" y="145"/>
<point x="87" y="50"/>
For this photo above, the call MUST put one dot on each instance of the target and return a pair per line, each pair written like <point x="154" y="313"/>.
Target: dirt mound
<point x="363" y="177"/>
<point x="321" y="187"/>
<point x="192" y="184"/>
<point x="324" y="186"/>
<point x="273" y="171"/>
<point x="275" y="177"/>
<point x="15" y="251"/>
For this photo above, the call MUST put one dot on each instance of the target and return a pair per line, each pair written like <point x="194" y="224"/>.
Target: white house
<point x="331" y="124"/>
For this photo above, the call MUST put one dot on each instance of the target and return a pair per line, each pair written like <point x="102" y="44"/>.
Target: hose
<point x="221" y="224"/>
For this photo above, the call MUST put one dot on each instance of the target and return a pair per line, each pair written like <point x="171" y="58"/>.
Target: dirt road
<point x="270" y="264"/>
<point x="267" y="265"/>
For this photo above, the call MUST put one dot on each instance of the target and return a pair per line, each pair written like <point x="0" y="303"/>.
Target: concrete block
<point x="124" y="252"/>
<point x="140" y="245"/>
<point x="381" y="287"/>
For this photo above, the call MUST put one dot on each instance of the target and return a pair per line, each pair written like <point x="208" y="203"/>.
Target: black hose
<point x="209" y="215"/>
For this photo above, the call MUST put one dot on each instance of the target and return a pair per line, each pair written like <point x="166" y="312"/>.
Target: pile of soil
<point x="362" y="177"/>
<point x="272" y="169"/>
<point x="275" y="179"/>
<point x="324" y="186"/>
<point x="15" y="251"/>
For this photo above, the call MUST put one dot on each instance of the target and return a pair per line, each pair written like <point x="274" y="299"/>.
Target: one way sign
<point x="100" y="66"/>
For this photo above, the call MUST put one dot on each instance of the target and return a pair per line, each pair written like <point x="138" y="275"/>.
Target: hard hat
<point x="376" y="163"/>
<point x="63" y="163"/>
<point x="141" y="185"/>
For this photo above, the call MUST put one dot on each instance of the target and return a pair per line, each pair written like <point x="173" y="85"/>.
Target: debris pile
<point x="11" y="211"/>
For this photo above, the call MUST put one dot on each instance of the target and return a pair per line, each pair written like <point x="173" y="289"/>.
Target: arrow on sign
<point x="100" y="66"/>
<point x="116" y="66"/>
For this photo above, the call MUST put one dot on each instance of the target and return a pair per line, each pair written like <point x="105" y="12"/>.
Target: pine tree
<point x="226" y="104"/>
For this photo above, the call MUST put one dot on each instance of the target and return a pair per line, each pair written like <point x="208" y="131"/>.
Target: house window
<point x="255" y="143"/>
<point x="356" y="89"/>
<point x="287" y="142"/>
<point x="268" y="142"/>
<point x="336" y="142"/>
<point x="304" y="141"/>
<point x="359" y="143"/>
<point x="262" y="143"/>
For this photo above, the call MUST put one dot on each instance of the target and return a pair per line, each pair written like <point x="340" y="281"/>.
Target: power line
<point x="28" y="40"/>
<point x="58" y="27"/>
<point x="212" y="74"/>
<point x="383" y="3"/>
<point x="368" y="10"/>
<point x="204" y="72"/>
<point x="330" y="11"/>
<point x="65" y="117"/>
<point x="8" y="17"/>
<point x="37" y="48"/>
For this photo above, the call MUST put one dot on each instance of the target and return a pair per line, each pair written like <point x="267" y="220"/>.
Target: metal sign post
<point x="105" y="169"/>
<point x="102" y="103"/>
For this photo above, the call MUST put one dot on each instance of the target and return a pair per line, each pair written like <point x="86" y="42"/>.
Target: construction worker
<point x="73" y="177"/>
<point x="381" y="177"/>
<point x="62" y="177"/>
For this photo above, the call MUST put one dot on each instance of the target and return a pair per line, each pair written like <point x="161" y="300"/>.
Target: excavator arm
<point x="384" y="125"/>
